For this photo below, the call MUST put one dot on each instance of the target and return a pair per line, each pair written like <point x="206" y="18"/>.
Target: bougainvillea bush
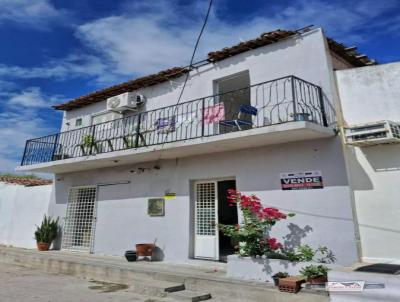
<point x="252" y="235"/>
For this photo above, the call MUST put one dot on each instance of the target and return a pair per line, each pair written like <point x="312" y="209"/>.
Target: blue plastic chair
<point x="239" y="122"/>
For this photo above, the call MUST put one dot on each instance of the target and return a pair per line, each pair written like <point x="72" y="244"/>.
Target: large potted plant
<point x="46" y="233"/>
<point x="315" y="274"/>
<point x="259" y="255"/>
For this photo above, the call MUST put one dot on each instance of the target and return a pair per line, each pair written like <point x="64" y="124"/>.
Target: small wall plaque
<point x="156" y="207"/>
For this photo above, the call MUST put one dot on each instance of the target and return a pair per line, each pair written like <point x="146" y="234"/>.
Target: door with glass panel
<point x="78" y="230"/>
<point x="206" y="220"/>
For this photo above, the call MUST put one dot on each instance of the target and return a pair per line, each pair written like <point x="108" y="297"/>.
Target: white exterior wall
<point x="323" y="216"/>
<point x="21" y="209"/>
<point x="371" y="94"/>
<point x="304" y="56"/>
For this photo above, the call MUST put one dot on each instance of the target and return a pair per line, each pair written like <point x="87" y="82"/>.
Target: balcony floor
<point x="264" y="136"/>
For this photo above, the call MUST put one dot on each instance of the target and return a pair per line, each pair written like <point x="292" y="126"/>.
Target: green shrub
<point x="305" y="253"/>
<point x="314" y="271"/>
<point x="48" y="230"/>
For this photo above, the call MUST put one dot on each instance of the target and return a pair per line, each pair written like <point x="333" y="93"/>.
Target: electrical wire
<point x="189" y="67"/>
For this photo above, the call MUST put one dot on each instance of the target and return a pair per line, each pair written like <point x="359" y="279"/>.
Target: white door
<point x="80" y="219"/>
<point x="206" y="220"/>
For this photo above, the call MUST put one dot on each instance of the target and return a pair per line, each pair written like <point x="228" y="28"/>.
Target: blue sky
<point x="56" y="50"/>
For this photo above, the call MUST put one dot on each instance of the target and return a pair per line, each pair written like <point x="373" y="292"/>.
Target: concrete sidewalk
<point x="20" y="284"/>
<point x="201" y="276"/>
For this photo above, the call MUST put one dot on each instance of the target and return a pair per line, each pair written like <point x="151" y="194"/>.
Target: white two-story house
<point x="134" y="165"/>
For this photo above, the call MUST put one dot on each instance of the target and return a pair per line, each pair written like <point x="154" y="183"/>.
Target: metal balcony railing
<point x="273" y="102"/>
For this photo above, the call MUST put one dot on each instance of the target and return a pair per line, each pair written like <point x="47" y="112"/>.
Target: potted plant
<point x="279" y="275"/>
<point x="46" y="233"/>
<point x="88" y="144"/>
<point x="301" y="116"/>
<point x="315" y="274"/>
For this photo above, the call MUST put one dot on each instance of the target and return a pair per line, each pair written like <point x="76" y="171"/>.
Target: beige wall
<point x="371" y="94"/>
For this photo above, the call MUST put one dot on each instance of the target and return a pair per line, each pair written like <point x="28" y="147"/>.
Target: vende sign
<point x="301" y="180"/>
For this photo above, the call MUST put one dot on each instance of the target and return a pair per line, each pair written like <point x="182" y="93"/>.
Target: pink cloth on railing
<point x="214" y="114"/>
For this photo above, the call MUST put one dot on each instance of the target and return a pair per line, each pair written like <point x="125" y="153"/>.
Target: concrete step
<point x="142" y="276"/>
<point x="190" y="296"/>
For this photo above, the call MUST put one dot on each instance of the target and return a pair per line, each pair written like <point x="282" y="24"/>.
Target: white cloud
<point x="34" y="13"/>
<point x="21" y="119"/>
<point x="32" y="97"/>
<point x="72" y="66"/>
<point x="15" y="128"/>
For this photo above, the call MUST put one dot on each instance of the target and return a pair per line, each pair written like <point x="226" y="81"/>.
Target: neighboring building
<point x="258" y="116"/>
<point x="369" y="96"/>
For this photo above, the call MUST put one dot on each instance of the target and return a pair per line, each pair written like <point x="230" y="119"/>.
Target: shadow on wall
<point x="57" y="242"/>
<point x="295" y="235"/>
<point x="383" y="158"/>
<point x="359" y="178"/>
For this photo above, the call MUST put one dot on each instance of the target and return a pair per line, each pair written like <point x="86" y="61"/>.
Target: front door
<point x="80" y="219"/>
<point x="206" y="220"/>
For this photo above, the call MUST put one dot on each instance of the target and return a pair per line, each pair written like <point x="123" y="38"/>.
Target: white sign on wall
<point x="345" y="286"/>
<point x="301" y="180"/>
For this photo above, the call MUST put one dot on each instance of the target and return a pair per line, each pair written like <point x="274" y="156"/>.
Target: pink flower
<point x="274" y="244"/>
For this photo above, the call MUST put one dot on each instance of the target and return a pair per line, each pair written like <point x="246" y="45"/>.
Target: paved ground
<point x="18" y="284"/>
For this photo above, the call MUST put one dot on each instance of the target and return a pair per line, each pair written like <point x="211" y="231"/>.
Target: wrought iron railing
<point x="278" y="101"/>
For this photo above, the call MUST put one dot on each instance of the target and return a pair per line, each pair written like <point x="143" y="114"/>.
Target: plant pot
<point x="318" y="280"/>
<point x="290" y="284"/>
<point x="43" y="246"/>
<point x="301" y="116"/>
<point x="144" y="249"/>
<point x="130" y="256"/>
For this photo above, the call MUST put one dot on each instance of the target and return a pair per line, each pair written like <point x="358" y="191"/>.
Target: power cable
<point x="189" y="67"/>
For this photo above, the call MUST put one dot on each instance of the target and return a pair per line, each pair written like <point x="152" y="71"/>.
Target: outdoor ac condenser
<point x="125" y="101"/>
<point x="381" y="132"/>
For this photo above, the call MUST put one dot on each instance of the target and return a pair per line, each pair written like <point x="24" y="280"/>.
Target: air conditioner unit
<point x="125" y="101"/>
<point x="382" y="132"/>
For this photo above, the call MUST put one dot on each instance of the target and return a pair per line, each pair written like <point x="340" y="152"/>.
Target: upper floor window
<point x="105" y="117"/>
<point x="78" y="122"/>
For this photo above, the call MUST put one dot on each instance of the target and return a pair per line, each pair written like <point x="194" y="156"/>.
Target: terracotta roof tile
<point x="25" y="181"/>
<point x="264" y="39"/>
<point x="132" y="85"/>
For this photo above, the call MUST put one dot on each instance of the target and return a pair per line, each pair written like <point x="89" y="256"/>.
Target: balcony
<point x="278" y="111"/>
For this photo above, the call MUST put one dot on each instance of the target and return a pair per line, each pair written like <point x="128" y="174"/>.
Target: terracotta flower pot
<point x="318" y="280"/>
<point x="290" y="284"/>
<point x="43" y="246"/>
<point x="144" y="249"/>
